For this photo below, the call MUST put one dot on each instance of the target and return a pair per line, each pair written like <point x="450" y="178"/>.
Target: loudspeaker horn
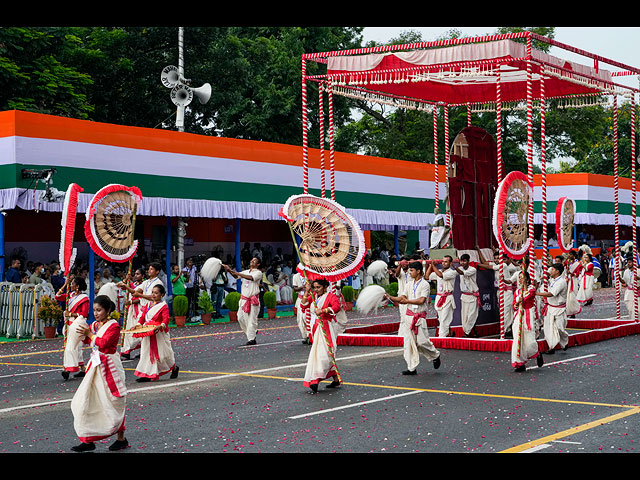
<point x="170" y="76"/>
<point x="181" y="95"/>
<point x="203" y="93"/>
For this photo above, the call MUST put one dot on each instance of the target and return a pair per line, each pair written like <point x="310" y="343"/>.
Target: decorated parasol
<point x="332" y="244"/>
<point x="67" y="254"/>
<point x="510" y="211"/>
<point x="565" y="220"/>
<point x="110" y="223"/>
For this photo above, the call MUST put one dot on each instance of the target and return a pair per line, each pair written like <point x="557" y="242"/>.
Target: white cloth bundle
<point x="370" y="299"/>
<point x="377" y="269"/>
<point x="210" y="269"/>
<point x="110" y="290"/>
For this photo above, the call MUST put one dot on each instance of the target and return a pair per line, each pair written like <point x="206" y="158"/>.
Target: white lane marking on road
<point x="566" y="360"/>
<point x="163" y="385"/>
<point x="365" y="402"/>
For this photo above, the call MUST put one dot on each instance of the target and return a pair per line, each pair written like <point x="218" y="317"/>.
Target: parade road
<point x="230" y="397"/>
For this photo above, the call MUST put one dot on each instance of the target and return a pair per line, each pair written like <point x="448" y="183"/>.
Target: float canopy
<point x="465" y="71"/>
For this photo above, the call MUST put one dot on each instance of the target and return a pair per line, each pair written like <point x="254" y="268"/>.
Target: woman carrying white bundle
<point x="98" y="405"/>
<point x="74" y="317"/>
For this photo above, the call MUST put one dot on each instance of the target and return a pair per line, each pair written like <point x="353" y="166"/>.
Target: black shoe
<point x="334" y="384"/>
<point x="79" y="375"/>
<point x="84" y="447"/>
<point x="565" y="347"/>
<point x="550" y="352"/>
<point x="142" y="379"/>
<point x="521" y="368"/>
<point x="436" y="363"/>
<point x="540" y="360"/>
<point x="174" y="372"/>
<point x="306" y="341"/>
<point x="119" y="445"/>
<point x="314" y="388"/>
<point x="65" y="375"/>
<point x="251" y="342"/>
<point x="410" y="372"/>
<point x="125" y="356"/>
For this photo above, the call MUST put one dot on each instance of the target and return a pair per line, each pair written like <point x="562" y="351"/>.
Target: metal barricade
<point x="19" y="305"/>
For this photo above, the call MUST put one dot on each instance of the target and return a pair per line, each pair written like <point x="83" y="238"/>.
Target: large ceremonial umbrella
<point x="565" y="215"/>
<point x="510" y="211"/>
<point x="332" y="244"/>
<point x="110" y="223"/>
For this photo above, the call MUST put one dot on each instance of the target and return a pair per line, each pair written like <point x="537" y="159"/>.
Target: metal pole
<point x="92" y="276"/>
<point x="238" y="259"/>
<point x="168" y="258"/>
<point x="396" y="241"/>
<point x="180" y="111"/>
<point x="2" y="259"/>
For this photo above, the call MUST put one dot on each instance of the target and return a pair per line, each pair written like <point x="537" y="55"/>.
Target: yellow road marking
<point x="518" y="448"/>
<point x="571" y="431"/>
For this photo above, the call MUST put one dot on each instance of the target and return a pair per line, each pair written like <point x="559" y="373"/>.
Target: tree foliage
<point x="112" y="75"/>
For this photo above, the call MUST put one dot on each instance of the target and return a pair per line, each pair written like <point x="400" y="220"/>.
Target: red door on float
<point x="473" y="180"/>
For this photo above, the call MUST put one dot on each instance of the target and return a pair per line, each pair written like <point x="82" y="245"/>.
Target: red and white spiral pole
<point x="500" y="178"/>
<point x="530" y="158"/>
<point x="634" y="249"/>
<point x="543" y="161"/>
<point x="305" y="140"/>
<point x="616" y="201"/>
<point x="435" y="155"/>
<point x="321" y="126"/>
<point x="332" y="143"/>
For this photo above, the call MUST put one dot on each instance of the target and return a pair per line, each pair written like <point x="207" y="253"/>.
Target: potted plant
<point x="204" y="302"/>
<point x="49" y="313"/>
<point x="180" y="308"/>
<point x="348" y="294"/>
<point x="270" y="301"/>
<point x="232" y="302"/>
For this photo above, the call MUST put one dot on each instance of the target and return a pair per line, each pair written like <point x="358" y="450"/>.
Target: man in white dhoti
<point x="555" y="310"/>
<point x="402" y="274"/>
<point x="469" y="295"/>
<point x="413" y="322"/>
<point x="445" y="303"/>
<point x="510" y="273"/>
<point x="250" y="298"/>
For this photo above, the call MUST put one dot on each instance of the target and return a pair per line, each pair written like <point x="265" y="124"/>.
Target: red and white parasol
<point x="510" y="211"/>
<point x="565" y="216"/>
<point x="110" y="223"/>
<point x="67" y="254"/>
<point x="332" y="243"/>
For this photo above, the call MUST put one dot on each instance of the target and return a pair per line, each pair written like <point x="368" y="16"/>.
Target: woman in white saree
<point x="98" y="405"/>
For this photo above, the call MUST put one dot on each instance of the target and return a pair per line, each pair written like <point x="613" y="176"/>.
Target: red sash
<point x="416" y="316"/>
<point x="546" y="306"/>
<point x="442" y="297"/>
<point x="475" y="294"/>
<point x="254" y="300"/>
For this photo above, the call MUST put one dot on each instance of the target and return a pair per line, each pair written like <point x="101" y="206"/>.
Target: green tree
<point x="35" y="75"/>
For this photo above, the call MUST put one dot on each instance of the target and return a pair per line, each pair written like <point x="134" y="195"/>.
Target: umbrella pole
<point x="326" y="338"/>
<point x="126" y="296"/>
